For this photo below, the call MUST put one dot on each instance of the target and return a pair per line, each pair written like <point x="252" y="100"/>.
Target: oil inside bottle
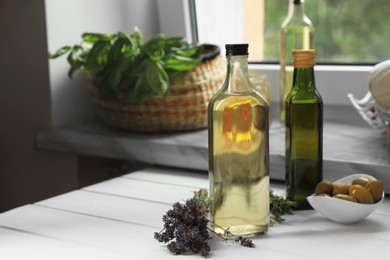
<point x="303" y="150"/>
<point x="239" y="177"/>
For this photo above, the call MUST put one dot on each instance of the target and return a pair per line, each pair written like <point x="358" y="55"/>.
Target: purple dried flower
<point x="245" y="241"/>
<point x="185" y="228"/>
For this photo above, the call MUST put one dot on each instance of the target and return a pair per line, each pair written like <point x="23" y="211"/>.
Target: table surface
<point x="116" y="219"/>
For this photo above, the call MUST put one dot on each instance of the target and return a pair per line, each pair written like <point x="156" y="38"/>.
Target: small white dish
<point x="342" y="211"/>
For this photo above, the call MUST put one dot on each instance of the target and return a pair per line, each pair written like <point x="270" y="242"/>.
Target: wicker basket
<point x="185" y="108"/>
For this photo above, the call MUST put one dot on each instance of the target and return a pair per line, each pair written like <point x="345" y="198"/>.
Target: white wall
<point x="226" y="27"/>
<point x="31" y="99"/>
<point x="66" y="21"/>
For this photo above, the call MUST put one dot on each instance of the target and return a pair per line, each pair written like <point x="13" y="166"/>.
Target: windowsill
<point x="333" y="82"/>
<point x="348" y="147"/>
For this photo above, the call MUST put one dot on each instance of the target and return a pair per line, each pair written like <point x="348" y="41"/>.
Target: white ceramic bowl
<point x="342" y="211"/>
<point x="371" y="112"/>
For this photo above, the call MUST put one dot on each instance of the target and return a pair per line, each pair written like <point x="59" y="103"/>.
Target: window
<point x="334" y="81"/>
<point x="341" y="35"/>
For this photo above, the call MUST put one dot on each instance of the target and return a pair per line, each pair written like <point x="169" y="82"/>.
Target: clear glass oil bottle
<point x="297" y="32"/>
<point x="304" y="123"/>
<point x="238" y="152"/>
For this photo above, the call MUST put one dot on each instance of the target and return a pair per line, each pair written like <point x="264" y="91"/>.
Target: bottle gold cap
<point x="304" y="58"/>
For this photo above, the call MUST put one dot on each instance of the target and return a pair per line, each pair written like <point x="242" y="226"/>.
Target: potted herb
<point x="163" y="84"/>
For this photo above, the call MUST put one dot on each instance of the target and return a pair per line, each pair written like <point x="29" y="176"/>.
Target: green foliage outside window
<point x="346" y="31"/>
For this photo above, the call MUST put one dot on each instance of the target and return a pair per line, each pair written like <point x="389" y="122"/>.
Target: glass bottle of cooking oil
<point x="304" y="121"/>
<point x="297" y="32"/>
<point x="262" y="85"/>
<point x="238" y="152"/>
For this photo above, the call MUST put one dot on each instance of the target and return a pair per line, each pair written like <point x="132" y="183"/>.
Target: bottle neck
<point x="296" y="9"/>
<point x="237" y="79"/>
<point x="303" y="79"/>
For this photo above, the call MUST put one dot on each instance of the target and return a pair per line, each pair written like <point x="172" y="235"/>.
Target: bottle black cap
<point x="236" y="49"/>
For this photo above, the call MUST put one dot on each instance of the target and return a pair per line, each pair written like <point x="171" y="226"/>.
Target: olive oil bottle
<point x="296" y="32"/>
<point x="304" y="122"/>
<point x="238" y="152"/>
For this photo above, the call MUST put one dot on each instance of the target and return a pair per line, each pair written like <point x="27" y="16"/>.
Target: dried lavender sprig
<point x="185" y="228"/>
<point x="244" y="241"/>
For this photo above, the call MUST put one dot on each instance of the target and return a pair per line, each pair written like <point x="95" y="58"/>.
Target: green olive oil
<point x="304" y="123"/>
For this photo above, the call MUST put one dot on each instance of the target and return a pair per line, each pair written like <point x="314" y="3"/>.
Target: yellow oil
<point x="287" y="80"/>
<point x="239" y="170"/>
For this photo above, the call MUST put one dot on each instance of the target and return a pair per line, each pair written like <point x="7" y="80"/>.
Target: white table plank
<point x="121" y="238"/>
<point x="196" y="179"/>
<point x="321" y="237"/>
<point x="18" y="245"/>
<point x="110" y="207"/>
<point x="145" y="190"/>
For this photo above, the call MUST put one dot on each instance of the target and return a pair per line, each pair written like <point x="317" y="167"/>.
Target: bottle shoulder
<point x="295" y="21"/>
<point x="298" y="24"/>
<point x="297" y="96"/>
<point x="225" y="99"/>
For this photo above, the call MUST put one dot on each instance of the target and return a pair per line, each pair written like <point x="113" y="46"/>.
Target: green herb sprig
<point x="280" y="206"/>
<point x="123" y="63"/>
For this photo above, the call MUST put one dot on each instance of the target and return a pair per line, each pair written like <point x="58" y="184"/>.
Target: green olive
<point x="325" y="187"/>
<point x="362" y="181"/>
<point x="340" y="188"/>
<point x="361" y="194"/>
<point x="375" y="187"/>
<point x="345" y="197"/>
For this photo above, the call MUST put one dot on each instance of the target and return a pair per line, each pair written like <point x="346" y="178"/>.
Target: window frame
<point x="333" y="81"/>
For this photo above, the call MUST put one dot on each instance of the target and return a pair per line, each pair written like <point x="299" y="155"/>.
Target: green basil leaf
<point x="75" y="60"/>
<point x="194" y="51"/>
<point x="136" y="38"/>
<point x="94" y="37"/>
<point x="178" y="42"/>
<point x="76" y="66"/>
<point x="100" y="81"/>
<point x="97" y="56"/>
<point x="140" y="68"/>
<point x="136" y="96"/>
<point x="60" y="52"/>
<point x="116" y="71"/>
<point x="157" y="78"/>
<point x="117" y="49"/>
<point x="154" y="48"/>
<point x="180" y="63"/>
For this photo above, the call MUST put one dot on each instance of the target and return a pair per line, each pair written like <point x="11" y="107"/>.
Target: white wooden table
<point x="116" y="219"/>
